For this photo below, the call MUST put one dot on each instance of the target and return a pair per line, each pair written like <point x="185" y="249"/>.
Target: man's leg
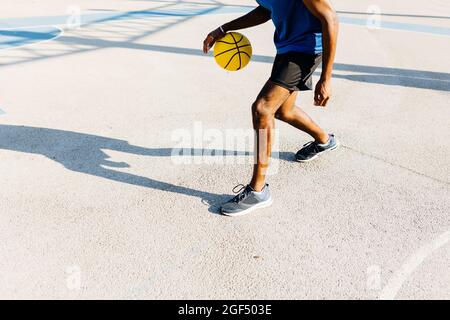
<point x="256" y="195"/>
<point x="269" y="100"/>
<point x="295" y="116"/>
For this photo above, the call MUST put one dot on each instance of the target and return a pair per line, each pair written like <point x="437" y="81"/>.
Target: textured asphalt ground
<point x="93" y="205"/>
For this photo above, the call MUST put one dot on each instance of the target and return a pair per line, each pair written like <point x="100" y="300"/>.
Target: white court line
<point x="61" y="33"/>
<point x="394" y="284"/>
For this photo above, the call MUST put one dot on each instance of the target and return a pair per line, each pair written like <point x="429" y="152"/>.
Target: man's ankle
<point x="257" y="187"/>
<point x="324" y="139"/>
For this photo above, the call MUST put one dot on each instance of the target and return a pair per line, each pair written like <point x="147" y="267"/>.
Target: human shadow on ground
<point x="84" y="153"/>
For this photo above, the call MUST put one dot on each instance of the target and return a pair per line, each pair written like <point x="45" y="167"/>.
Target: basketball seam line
<point x="245" y="45"/>
<point x="234" y="56"/>
<point x="226" y="42"/>
<point x="239" y="52"/>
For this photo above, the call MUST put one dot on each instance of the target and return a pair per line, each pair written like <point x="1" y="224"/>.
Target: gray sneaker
<point x="312" y="149"/>
<point x="246" y="201"/>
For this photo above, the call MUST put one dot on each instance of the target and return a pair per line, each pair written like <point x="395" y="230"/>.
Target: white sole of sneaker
<point x="261" y="205"/>
<point x="320" y="154"/>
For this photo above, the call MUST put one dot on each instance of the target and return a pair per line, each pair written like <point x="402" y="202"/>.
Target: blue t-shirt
<point x="296" y="28"/>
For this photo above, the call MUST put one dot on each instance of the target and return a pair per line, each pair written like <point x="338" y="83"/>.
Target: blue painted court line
<point x="23" y="36"/>
<point x="91" y="18"/>
<point x="399" y="26"/>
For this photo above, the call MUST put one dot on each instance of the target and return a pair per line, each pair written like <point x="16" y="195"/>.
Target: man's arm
<point x="255" y="17"/>
<point x="330" y="26"/>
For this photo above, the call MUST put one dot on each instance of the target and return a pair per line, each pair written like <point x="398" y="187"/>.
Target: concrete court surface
<point x="93" y="205"/>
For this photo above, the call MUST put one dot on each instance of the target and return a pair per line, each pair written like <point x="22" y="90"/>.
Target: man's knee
<point x="262" y="109"/>
<point x="283" y="115"/>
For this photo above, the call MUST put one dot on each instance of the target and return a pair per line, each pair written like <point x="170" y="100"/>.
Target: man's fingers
<point x="325" y="102"/>
<point x="318" y="98"/>
<point x="316" y="95"/>
<point x="208" y="43"/>
<point x="322" y="93"/>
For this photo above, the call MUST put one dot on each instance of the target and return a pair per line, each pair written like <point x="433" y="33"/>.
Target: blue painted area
<point x="2" y="112"/>
<point x="22" y="36"/>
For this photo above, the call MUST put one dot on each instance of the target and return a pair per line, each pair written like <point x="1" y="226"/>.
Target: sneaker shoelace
<point x="311" y="147"/>
<point x="242" y="193"/>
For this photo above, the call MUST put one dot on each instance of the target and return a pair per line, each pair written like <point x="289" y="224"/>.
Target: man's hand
<point x="322" y="93"/>
<point x="211" y="38"/>
<point x="257" y="16"/>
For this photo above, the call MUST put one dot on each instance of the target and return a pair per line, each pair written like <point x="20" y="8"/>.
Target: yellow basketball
<point x="233" y="52"/>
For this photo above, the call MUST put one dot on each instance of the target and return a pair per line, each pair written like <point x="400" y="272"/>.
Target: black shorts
<point x="294" y="70"/>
